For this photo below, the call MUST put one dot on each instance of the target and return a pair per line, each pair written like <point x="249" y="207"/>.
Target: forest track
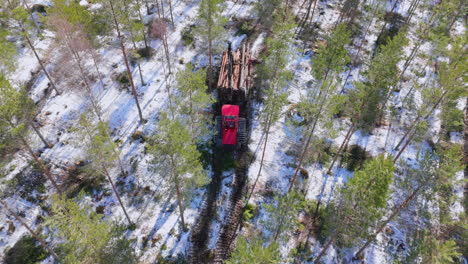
<point x="200" y="234"/>
<point x="228" y="231"/>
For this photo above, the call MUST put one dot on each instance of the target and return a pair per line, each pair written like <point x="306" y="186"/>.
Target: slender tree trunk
<point x="418" y="120"/>
<point x="404" y="147"/>
<point x="116" y="193"/>
<point x="390" y="218"/>
<point x="28" y="40"/>
<point x="139" y="66"/>
<point x="166" y="50"/>
<point x="309" y="138"/>
<point x="280" y="226"/>
<point x="459" y="10"/>
<point x="178" y="193"/>
<point x="140" y="16"/>
<point x="164" y="40"/>
<point x="359" y="50"/>
<point x="44" y="169"/>
<point x="349" y="134"/>
<point x="410" y="59"/>
<point x="386" y="22"/>
<point x="96" y="66"/>
<point x="324" y="250"/>
<point x="129" y="72"/>
<point x="465" y="148"/>
<point x="267" y="132"/>
<point x="40" y="135"/>
<point x="210" y="58"/>
<point x="411" y="11"/>
<point x="52" y="84"/>
<point x="170" y="9"/>
<point x="147" y="7"/>
<point x="34" y="234"/>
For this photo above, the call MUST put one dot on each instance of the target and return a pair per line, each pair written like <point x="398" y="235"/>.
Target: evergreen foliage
<point x="87" y="238"/>
<point x="176" y="156"/>
<point x="16" y="112"/>
<point x="283" y="215"/>
<point x="194" y="100"/>
<point x="361" y="202"/>
<point x="253" y="251"/>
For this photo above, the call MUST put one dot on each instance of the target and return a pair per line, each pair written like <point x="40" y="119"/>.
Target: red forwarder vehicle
<point x="233" y="89"/>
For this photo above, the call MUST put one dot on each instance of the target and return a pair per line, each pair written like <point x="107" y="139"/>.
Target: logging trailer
<point x="234" y="83"/>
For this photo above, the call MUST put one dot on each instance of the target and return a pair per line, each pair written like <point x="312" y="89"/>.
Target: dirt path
<point x="200" y="234"/>
<point x="229" y="228"/>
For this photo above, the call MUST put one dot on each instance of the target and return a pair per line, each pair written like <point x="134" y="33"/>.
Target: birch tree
<point x="75" y="45"/>
<point x="448" y="87"/>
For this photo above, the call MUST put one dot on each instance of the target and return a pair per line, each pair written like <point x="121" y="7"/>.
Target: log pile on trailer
<point x="234" y="79"/>
<point x="234" y="83"/>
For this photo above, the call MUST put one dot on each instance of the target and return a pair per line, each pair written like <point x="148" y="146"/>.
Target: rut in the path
<point x="198" y="252"/>
<point x="229" y="228"/>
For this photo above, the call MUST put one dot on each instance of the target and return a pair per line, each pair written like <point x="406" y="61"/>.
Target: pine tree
<point x="21" y="17"/>
<point x="283" y="214"/>
<point x="434" y="171"/>
<point x="194" y="100"/>
<point x="359" y="204"/>
<point x="30" y="230"/>
<point x="267" y="12"/>
<point x="16" y="114"/>
<point x="377" y="12"/>
<point x="175" y="155"/>
<point x="117" y="17"/>
<point x="274" y="77"/>
<point x="327" y="64"/>
<point x="449" y="87"/>
<point x="7" y="52"/>
<point x="382" y="77"/>
<point x="86" y="237"/>
<point x="102" y="151"/>
<point x="254" y="252"/>
<point x="210" y="29"/>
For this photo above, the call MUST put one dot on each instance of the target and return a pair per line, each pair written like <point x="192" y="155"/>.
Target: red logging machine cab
<point x="231" y="126"/>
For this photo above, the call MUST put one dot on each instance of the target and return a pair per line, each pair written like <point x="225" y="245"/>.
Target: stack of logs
<point x="235" y="69"/>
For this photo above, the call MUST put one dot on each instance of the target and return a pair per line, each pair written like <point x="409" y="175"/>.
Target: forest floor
<point x="144" y="192"/>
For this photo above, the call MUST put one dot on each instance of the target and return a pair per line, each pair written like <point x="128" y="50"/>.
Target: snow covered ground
<point x="156" y="218"/>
